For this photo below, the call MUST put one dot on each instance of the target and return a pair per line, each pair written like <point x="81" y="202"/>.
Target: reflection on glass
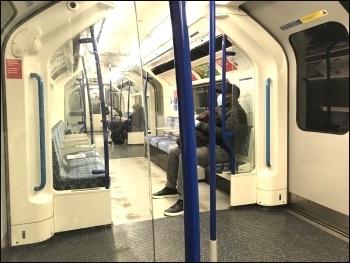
<point x="322" y="54"/>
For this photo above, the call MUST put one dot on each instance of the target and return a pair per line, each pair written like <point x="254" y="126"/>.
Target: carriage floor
<point x="141" y="233"/>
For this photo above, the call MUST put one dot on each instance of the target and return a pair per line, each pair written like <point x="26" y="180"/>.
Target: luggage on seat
<point x="119" y="132"/>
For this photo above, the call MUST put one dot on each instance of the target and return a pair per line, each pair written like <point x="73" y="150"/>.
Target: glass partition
<point x="77" y="178"/>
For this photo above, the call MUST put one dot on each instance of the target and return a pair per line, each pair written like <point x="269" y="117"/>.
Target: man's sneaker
<point x="165" y="192"/>
<point x="176" y="209"/>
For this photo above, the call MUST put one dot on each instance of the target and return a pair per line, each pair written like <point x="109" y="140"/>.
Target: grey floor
<point x="246" y="234"/>
<point x="135" y="178"/>
<point x="141" y="233"/>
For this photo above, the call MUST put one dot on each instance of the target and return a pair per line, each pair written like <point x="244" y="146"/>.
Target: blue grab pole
<point x="89" y="101"/>
<point x="187" y="130"/>
<point x="129" y="104"/>
<point x="120" y="97"/>
<point x="226" y="134"/>
<point x="146" y="104"/>
<point x="212" y="138"/>
<point x="92" y="40"/>
<point x="103" y="109"/>
<point x="82" y="88"/>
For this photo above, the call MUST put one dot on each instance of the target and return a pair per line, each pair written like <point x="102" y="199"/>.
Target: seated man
<point x="201" y="138"/>
<point x="137" y="118"/>
<point x="235" y="119"/>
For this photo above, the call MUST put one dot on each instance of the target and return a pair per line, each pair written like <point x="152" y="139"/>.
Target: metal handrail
<point x="268" y="141"/>
<point x="42" y="132"/>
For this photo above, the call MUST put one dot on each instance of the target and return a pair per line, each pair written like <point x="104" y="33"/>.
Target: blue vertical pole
<point x="83" y="100"/>
<point x="110" y="95"/>
<point x="129" y="106"/>
<point x="89" y="101"/>
<point x="146" y="105"/>
<point x="120" y="98"/>
<point x="212" y="138"/>
<point x="225" y="135"/>
<point x="103" y="109"/>
<point x="187" y="131"/>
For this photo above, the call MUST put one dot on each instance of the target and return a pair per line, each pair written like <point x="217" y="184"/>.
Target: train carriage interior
<point x="98" y="98"/>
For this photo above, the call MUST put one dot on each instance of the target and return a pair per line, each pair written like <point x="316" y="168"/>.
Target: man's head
<point x="232" y="93"/>
<point x="233" y="89"/>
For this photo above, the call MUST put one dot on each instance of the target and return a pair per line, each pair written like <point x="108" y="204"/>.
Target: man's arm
<point x="230" y="122"/>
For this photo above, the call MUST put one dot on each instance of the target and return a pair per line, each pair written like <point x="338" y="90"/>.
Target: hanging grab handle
<point x="42" y="131"/>
<point x="268" y="81"/>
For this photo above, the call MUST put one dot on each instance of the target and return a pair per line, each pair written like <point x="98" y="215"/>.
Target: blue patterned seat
<point x="71" y="174"/>
<point x="166" y="145"/>
<point x="243" y="155"/>
<point x="173" y="123"/>
<point x="154" y="140"/>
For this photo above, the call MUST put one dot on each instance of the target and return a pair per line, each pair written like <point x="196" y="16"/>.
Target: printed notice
<point x="14" y="69"/>
<point x="203" y="70"/>
<point x="229" y="65"/>
<point x="313" y="16"/>
<point x="305" y="19"/>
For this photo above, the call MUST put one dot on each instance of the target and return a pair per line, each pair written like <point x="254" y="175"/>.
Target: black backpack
<point x="119" y="132"/>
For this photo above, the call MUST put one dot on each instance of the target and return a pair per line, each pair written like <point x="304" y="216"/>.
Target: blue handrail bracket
<point x="42" y="131"/>
<point x="268" y="82"/>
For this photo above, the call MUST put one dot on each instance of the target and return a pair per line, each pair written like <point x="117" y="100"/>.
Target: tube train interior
<point x="95" y="95"/>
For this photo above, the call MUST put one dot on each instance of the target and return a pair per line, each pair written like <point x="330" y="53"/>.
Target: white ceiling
<point x="119" y="41"/>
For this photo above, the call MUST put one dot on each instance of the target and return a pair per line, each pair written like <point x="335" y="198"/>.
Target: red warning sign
<point x="14" y="68"/>
<point x="229" y="65"/>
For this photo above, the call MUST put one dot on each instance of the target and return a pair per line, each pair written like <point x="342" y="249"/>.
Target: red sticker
<point x="14" y="69"/>
<point x="229" y="65"/>
<point x="193" y="77"/>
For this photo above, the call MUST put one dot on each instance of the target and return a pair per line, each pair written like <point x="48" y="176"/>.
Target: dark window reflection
<point x="95" y="100"/>
<point x="75" y="101"/>
<point x="201" y="96"/>
<point x="322" y="55"/>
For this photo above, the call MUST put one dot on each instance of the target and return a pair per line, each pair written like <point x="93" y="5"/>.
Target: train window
<point x="95" y="100"/>
<point x="201" y="96"/>
<point x="322" y="55"/>
<point x="75" y="101"/>
<point x="158" y="91"/>
<point x="112" y="99"/>
<point x="138" y="99"/>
